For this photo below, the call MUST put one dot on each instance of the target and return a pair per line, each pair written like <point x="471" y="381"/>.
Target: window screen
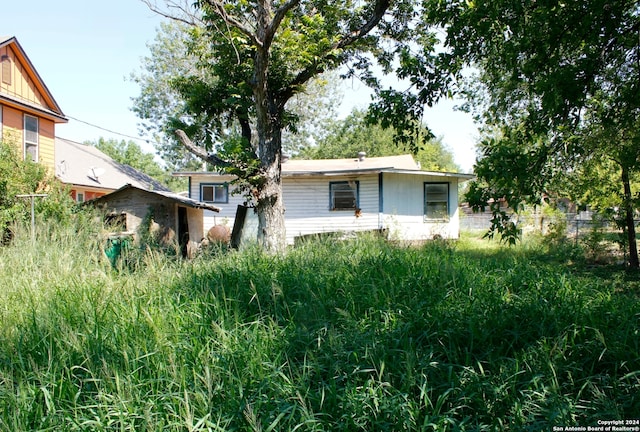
<point x="31" y="137"/>
<point x="436" y="201"/>
<point x="344" y="195"/>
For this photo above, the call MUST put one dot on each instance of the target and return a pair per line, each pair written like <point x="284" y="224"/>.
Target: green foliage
<point x="345" y="138"/>
<point x="559" y="77"/>
<point x="20" y="177"/>
<point x="158" y="101"/>
<point x="354" y="335"/>
<point x="176" y="72"/>
<point x="16" y="177"/>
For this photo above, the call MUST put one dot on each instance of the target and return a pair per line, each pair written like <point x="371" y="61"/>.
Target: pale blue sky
<point x="85" y="52"/>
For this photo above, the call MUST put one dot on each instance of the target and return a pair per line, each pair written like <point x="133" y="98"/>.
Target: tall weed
<point x="352" y="335"/>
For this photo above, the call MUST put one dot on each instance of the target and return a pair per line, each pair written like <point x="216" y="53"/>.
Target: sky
<point x="85" y="52"/>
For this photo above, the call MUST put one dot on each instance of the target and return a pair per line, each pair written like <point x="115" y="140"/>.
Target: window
<point x="436" y="201"/>
<point x="6" y="70"/>
<point x="344" y="195"/>
<point x="214" y="193"/>
<point x="80" y="197"/>
<point x="31" y="137"/>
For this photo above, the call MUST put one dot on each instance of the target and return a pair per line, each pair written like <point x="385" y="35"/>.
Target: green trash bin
<point x="116" y="245"/>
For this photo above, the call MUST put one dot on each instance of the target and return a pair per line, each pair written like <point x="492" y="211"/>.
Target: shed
<point x="175" y="219"/>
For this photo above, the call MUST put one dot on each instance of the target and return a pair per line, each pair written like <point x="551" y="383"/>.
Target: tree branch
<point x="379" y="11"/>
<point x="185" y="16"/>
<point x="277" y="19"/>
<point x="309" y="72"/>
<point x="199" y="151"/>
<point x="218" y="8"/>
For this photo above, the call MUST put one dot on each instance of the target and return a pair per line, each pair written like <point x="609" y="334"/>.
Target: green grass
<point x="355" y="335"/>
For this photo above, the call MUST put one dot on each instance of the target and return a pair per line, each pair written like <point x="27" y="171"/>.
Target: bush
<point x="20" y="177"/>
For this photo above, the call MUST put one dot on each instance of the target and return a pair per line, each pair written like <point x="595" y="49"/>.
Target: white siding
<point x="403" y="202"/>
<point x="227" y="211"/>
<point x="307" y="206"/>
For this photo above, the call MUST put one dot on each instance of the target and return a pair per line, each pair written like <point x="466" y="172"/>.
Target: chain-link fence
<point x="576" y="224"/>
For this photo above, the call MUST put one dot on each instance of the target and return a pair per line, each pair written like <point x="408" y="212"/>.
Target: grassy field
<point x="355" y="335"/>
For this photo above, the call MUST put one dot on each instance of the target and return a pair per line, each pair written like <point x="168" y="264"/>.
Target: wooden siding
<point x="21" y="85"/>
<point x="12" y="126"/>
<point x="227" y="213"/>
<point x="13" y="132"/>
<point x="46" y="144"/>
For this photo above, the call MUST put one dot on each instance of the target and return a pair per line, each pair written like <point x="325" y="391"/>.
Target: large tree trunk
<point x="629" y="222"/>
<point x="270" y="206"/>
<point x="270" y="209"/>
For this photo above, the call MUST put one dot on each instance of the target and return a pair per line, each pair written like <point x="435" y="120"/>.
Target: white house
<point x="389" y="193"/>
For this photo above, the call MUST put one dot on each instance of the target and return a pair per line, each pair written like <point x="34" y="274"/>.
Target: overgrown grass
<point x="355" y="335"/>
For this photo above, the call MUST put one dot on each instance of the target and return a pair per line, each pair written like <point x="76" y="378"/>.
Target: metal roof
<point x="164" y="194"/>
<point x="85" y="165"/>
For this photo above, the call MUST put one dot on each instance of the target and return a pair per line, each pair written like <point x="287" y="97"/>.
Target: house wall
<point x="89" y="193"/>
<point x="12" y="126"/>
<point x="18" y="83"/>
<point x="227" y="213"/>
<point x="307" y="206"/>
<point x="137" y="205"/>
<point x="13" y="130"/>
<point x="15" y="82"/>
<point x="403" y="204"/>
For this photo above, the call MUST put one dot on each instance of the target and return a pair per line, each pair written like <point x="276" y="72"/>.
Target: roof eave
<point x="33" y="109"/>
<point x="326" y="173"/>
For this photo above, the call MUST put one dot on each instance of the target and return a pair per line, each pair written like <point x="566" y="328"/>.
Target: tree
<point x="345" y="138"/>
<point x="158" y="101"/>
<point x="160" y="105"/>
<point x="16" y="177"/>
<point x="130" y="153"/>
<point x="560" y="81"/>
<point x="258" y="54"/>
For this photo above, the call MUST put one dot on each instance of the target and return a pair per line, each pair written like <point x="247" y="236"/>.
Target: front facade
<point x="28" y="111"/>
<point x="389" y="194"/>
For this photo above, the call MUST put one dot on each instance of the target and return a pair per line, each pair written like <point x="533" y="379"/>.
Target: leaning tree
<point x="258" y="54"/>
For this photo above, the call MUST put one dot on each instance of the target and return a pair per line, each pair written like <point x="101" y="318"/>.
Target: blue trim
<point x="214" y="185"/>
<point x="380" y="194"/>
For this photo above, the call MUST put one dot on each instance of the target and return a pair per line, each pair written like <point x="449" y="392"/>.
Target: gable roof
<point x="84" y="165"/>
<point x="51" y="109"/>
<point x="171" y="196"/>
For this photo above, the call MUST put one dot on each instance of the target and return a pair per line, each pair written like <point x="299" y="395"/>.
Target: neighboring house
<point x="389" y="194"/>
<point x="173" y="218"/>
<point x="91" y="174"/>
<point x="28" y="111"/>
